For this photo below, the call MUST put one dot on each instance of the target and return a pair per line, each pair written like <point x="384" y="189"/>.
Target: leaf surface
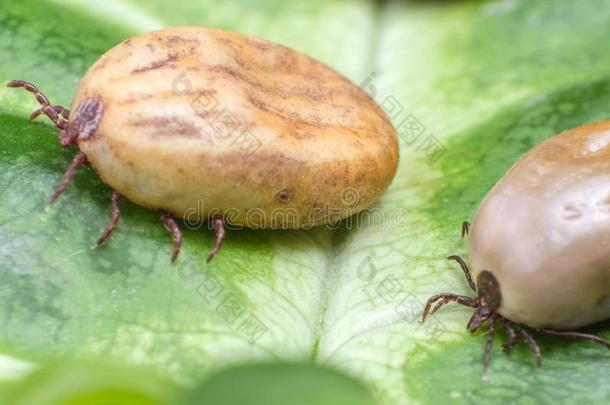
<point x="486" y="81"/>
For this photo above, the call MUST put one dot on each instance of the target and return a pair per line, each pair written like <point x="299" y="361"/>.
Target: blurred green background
<point x="481" y="81"/>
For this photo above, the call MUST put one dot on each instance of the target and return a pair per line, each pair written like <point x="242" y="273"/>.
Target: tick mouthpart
<point x="68" y="138"/>
<point x="479" y="317"/>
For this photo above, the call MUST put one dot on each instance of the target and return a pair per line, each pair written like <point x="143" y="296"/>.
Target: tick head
<point x="83" y="122"/>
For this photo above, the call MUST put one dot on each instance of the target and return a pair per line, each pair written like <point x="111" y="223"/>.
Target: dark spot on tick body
<point x="287" y="116"/>
<point x="157" y="64"/>
<point x="176" y="42"/>
<point x="235" y="74"/>
<point x="168" y="126"/>
<point x="258" y="44"/>
<point x="284" y="195"/>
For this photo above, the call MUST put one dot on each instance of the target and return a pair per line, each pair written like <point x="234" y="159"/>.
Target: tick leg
<point x="464" y="269"/>
<point x="65" y="113"/>
<point x="219" y="230"/>
<point x="465" y="228"/>
<point x="491" y="331"/>
<point x="171" y="225"/>
<point x="57" y="111"/>
<point x="444" y="298"/>
<point x="531" y="343"/>
<point x="114" y="219"/>
<point x="79" y="159"/>
<point x="57" y="114"/>
<point x="578" y="336"/>
<point x="510" y="331"/>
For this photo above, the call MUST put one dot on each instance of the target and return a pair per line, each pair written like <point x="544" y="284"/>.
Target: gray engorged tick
<point x="540" y="243"/>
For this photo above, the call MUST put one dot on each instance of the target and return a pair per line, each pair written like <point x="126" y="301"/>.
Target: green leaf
<point x="487" y="80"/>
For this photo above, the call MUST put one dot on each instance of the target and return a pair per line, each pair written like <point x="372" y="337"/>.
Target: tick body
<point x="207" y="125"/>
<point x="539" y="244"/>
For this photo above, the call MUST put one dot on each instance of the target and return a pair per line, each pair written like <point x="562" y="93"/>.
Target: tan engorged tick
<point x="215" y="126"/>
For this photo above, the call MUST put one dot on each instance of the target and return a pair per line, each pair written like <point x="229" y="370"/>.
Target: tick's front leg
<point x="56" y="113"/>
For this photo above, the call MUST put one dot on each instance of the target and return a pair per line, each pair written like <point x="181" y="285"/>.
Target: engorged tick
<point x="539" y="244"/>
<point x="223" y="128"/>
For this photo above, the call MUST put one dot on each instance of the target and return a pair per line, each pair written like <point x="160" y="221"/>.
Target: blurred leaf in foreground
<point x="92" y="384"/>
<point x="279" y="384"/>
